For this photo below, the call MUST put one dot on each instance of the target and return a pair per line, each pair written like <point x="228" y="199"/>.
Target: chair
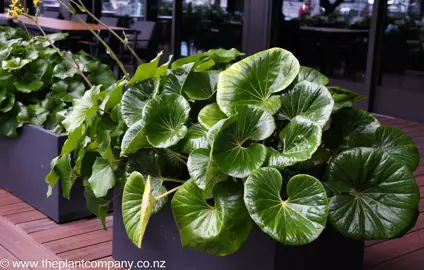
<point x="110" y="21"/>
<point x="84" y="17"/>
<point x="147" y="38"/>
<point x="51" y="14"/>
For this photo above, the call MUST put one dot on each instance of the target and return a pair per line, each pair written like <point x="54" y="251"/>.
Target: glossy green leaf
<point x="223" y="56"/>
<point x="300" y="139"/>
<point x="343" y="97"/>
<point x="195" y="139"/>
<point x="320" y="157"/>
<point x="52" y="177"/>
<point x="137" y="206"/>
<point x="296" y="220"/>
<point x="63" y="71"/>
<point x="348" y="123"/>
<point x="195" y="59"/>
<point x="67" y="175"/>
<point x="8" y="122"/>
<point x="8" y="103"/>
<point x="146" y="71"/>
<point x="309" y="100"/>
<point x="102" y="178"/>
<point x="203" y="170"/>
<point x="376" y="197"/>
<point x="134" y="139"/>
<point x="33" y="114"/>
<point x="311" y="75"/>
<point x="392" y="141"/>
<point x="84" y="109"/>
<point x="174" y="81"/>
<point x="24" y="87"/>
<point x="255" y="79"/>
<point x="234" y="147"/>
<point x="220" y="229"/>
<point x="100" y="74"/>
<point x="105" y="146"/>
<point x="15" y="63"/>
<point x="164" y="123"/>
<point x="210" y="115"/>
<point x="135" y="99"/>
<point x="68" y="90"/>
<point x="201" y="85"/>
<point x="113" y="95"/>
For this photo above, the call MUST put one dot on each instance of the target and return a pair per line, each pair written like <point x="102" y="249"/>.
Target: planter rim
<point x="47" y="131"/>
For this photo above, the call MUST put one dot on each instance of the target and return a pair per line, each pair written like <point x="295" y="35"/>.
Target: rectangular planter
<point x="24" y="164"/>
<point x="162" y="243"/>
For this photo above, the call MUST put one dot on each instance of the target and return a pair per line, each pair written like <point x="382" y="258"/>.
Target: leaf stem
<point x="177" y="156"/>
<point x="108" y="49"/>
<point x="85" y="10"/>
<point x="167" y="193"/>
<point x="166" y="179"/>
<point x="74" y="65"/>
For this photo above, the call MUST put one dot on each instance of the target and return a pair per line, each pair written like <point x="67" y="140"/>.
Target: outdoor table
<point x="56" y="25"/>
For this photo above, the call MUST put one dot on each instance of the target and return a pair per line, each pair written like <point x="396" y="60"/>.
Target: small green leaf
<point x="53" y="177"/>
<point x="320" y="157"/>
<point x="68" y="90"/>
<point x="97" y="206"/>
<point x="195" y="139"/>
<point x="255" y="79"/>
<point x="100" y="74"/>
<point x="146" y="71"/>
<point x="15" y="63"/>
<point x="67" y="175"/>
<point x="348" y="123"/>
<point x="203" y="170"/>
<point x="63" y="71"/>
<point x="8" y="121"/>
<point x="74" y="139"/>
<point x="201" y="85"/>
<point x="137" y="206"/>
<point x="300" y="139"/>
<point x="309" y="100"/>
<point x="24" y="87"/>
<point x="234" y="149"/>
<point x="210" y="115"/>
<point x="135" y="99"/>
<point x="8" y="103"/>
<point x="164" y="123"/>
<point x="160" y="71"/>
<point x="105" y="146"/>
<point x="311" y="75"/>
<point x="343" y="97"/>
<point x="204" y="227"/>
<point x="297" y="220"/>
<point x="173" y="82"/>
<point x="134" y="139"/>
<point x="102" y="178"/>
<point x="376" y="197"/>
<point x="224" y="56"/>
<point x="113" y="95"/>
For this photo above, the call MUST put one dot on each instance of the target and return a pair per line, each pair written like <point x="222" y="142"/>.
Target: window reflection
<point x="329" y="35"/>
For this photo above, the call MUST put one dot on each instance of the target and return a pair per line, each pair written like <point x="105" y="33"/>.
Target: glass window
<point x="331" y="36"/>
<point x="211" y="24"/>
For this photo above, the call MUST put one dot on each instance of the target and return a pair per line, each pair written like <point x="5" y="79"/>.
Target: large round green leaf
<point x="234" y="149"/>
<point x="348" y="123"/>
<point x="311" y="75"/>
<point x="165" y="116"/>
<point x="201" y="85"/>
<point x="392" y="141"/>
<point x="218" y="229"/>
<point x="135" y="98"/>
<point x="376" y="197"/>
<point x="309" y="100"/>
<point x="300" y="139"/>
<point x="137" y="207"/>
<point x="254" y="79"/>
<point x="297" y="220"/>
<point x="203" y="170"/>
<point x="195" y="139"/>
<point x="210" y="115"/>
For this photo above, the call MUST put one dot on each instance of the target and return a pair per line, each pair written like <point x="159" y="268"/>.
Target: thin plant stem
<point x="176" y="155"/>
<point x="108" y="49"/>
<point x="167" y="193"/>
<point x="29" y="35"/>
<point x="85" y="10"/>
<point x="166" y="179"/>
<point x="74" y="65"/>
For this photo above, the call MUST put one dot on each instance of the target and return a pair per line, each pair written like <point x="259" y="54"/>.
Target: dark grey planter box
<point x="24" y="164"/>
<point x="260" y="252"/>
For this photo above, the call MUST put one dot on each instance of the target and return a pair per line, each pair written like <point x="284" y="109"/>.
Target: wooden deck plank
<point x="38" y="225"/>
<point x="79" y="241"/>
<point x="4" y="254"/>
<point x="25" y="216"/>
<point x="7" y="199"/>
<point x="410" y="261"/>
<point x="388" y="250"/>
<point x="14" y="208"/>
<point x="71" y="229"/>
<point x="90" y="253"/>
<point x="21" y="246"/>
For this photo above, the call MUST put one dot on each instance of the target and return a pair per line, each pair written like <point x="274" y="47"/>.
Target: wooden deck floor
<point x="27" y="234"/>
